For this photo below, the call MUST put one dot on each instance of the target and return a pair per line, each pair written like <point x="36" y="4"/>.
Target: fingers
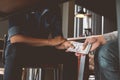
<point x="68" y="44"/>
<point x="65" y="45"/>
<point x="89" y="41"/>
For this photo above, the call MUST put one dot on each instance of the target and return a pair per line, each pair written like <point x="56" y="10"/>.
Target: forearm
<point x="111" y="36"/>
<point x="30" y="41"/>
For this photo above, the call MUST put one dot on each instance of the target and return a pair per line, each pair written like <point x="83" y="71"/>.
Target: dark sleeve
<point x="56" y="23"/>
<point x="16" y="24"/>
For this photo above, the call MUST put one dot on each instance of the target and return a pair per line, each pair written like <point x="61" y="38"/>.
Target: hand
<point x="56" y="41"/>
<point x="95" y="41"/>
<point x="65" y="45"/>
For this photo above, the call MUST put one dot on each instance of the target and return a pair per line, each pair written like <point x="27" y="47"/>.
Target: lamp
<point x="81" y="13"/>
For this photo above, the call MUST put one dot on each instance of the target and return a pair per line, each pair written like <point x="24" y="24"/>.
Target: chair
<point x="40" y="73"/>
<point x="83" y="64"/>
<point x="37" y="73"/>
<point x="83" y="67"/>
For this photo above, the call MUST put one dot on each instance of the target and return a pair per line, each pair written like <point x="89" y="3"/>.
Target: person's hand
<point x="65" y="45"/>
<point x="56" y="41"/>
<point x="95" y="41"/>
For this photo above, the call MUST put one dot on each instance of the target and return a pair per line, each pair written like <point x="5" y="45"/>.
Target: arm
<point x="36" y="41"/>
<point x="100" y="39"/>
<point x="111" y="36"/>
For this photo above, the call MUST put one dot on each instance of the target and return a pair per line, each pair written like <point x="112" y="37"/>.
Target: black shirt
<point x="36" y="23"/>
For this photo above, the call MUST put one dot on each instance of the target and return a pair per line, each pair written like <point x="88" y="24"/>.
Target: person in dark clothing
<point x="35" y="38"/>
